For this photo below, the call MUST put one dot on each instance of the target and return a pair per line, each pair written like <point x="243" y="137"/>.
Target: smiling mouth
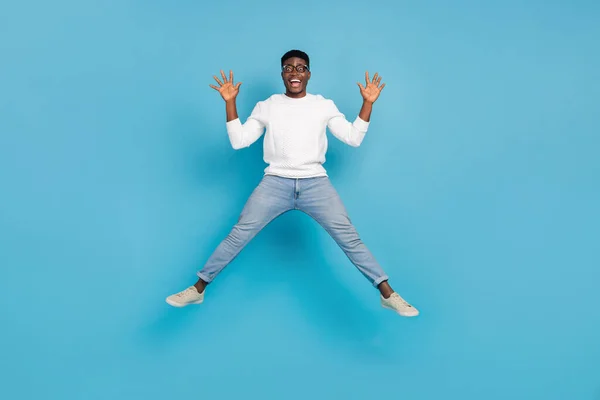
<point x="295" y="83"/>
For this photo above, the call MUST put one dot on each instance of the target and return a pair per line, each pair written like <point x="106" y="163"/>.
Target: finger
<point x="378" y="80"/>
<point x="381" y="87"/>
<point x="217" y="79"/>
<point x="214" y="87"/>
<point x="367" y="77"/>
<point x="238" y="85"/>
<point x="224" y="77"/>
<point x="360" y="86"/>
<point x="231" y="76"/>
<point x="375" y="77"/>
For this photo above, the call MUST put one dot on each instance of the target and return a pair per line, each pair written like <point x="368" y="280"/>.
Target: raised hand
<point x="371" y="92"/>
<point x="227" y="89"/>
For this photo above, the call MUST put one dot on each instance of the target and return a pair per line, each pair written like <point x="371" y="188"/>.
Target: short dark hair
<point x="296" y="53"/>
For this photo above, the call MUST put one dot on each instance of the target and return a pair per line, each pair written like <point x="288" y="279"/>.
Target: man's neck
<point x="295" y="95"/>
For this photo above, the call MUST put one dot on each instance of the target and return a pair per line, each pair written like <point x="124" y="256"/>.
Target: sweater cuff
<point x="233" y="125"/>
<point x="361" y="125"/>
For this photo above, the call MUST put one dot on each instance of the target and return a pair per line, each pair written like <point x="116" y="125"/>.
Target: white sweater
<point x="295" y="142"/>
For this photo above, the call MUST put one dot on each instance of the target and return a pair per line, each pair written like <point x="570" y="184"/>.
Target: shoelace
<point x="185" y="292"/>
<point x="396" y="298"/>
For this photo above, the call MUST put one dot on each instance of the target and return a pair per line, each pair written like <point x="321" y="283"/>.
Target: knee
<point x="343" y="231"/>
<point x="247" y="227"/>
<point x="238" y="234"/>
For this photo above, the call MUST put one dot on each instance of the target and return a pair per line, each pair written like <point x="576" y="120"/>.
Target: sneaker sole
<point x="179" y="305"/>
<point x="400" y="313"/>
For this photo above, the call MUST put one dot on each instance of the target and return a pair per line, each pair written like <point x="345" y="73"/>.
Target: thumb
<point x="238" y="85"/>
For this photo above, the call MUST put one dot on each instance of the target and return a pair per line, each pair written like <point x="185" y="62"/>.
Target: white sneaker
<point x="398" y="304"/>
<point x="186" y="297"/>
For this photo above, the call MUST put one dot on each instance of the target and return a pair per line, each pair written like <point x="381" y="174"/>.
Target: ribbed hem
<point x="295" y="174"/>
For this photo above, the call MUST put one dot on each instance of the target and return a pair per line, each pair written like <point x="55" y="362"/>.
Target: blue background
<point x="477" y="188"/>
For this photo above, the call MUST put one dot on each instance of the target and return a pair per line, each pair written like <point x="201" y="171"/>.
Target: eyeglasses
<point x="290" y="68"/>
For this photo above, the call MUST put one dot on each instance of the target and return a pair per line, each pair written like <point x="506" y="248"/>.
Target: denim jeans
<point x="276" y="195"/>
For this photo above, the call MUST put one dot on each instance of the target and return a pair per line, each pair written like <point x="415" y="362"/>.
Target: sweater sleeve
<point x="351" y="133"/>
<point x="243" y="135"/>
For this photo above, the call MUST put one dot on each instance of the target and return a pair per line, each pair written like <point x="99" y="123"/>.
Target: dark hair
<point x="295" y="53"/>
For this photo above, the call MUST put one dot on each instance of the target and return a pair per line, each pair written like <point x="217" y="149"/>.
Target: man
<point x="295" y="144"/>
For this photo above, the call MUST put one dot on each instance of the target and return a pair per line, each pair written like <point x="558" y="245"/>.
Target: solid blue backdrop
<point x="477" y="188"/>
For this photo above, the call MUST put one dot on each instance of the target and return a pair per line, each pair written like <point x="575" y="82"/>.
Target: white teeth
<point x="295" y="80"/>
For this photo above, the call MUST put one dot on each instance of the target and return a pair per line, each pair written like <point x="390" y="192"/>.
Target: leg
<point x="319" y="199"/>
<point x="271" y="198"/>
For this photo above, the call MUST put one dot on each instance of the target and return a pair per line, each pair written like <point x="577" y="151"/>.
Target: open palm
<point x="227" y="89"/>
<point x="371" y="91"/>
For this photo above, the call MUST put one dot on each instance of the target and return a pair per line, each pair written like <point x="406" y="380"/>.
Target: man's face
<point x="295" y="82"/>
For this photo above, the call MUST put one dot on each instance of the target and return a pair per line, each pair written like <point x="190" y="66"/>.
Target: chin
<point x="296" y="90"/>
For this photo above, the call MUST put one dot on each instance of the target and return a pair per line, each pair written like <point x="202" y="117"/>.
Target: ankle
<point x="200" y="285"/>
<point x="385" y="289"/>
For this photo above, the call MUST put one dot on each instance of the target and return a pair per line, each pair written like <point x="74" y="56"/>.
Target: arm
<point x="240" y="135"/>
<point x="354" y="133"/>
<point x="351" y="133"/>
<point x="365" y="111"/>
<point x="231" y="110"/>
<point x="243" y="135"/>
